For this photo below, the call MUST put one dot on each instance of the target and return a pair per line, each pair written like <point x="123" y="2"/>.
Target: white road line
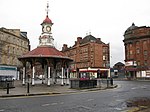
<point x="119" y="100"/>
<point x="134" y="88"/>
<point x="45" y="105"/>
<point x="118" y="108"/>
<point x="90" y="99"/>
<point x="2" y="110"/>
<point x="61" y="102"/>
<point x="85" y="107"/>
<point x="54" y="103"/>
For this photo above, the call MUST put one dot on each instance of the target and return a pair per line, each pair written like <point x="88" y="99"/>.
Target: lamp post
<point x="7" y="86"/>
<point x="28" y="86"/>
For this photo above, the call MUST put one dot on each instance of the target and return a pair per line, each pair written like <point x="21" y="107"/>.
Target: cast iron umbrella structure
<point x="46" y="55"/>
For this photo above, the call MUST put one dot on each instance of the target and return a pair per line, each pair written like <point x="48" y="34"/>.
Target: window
<point x="104" y="65"/>
<point x="91" y="48"/>
<point x="104" y="57"/>
<point x="137" y="43"/>
<point x="137" y="50"/>
<point x="144" y="42"/>
<point x="145" y="52"/>
<point x="130" y="45"/>
<point x="138" y="63"/>
<point x="131" y="52"/>
<point x="8" y="49"/>
<point x="14" y="40"/>
<point x="8" y="60"/>
<point x="92" y="40"/>
<point x="13" y="50"/>
<point x="104" y="49"/>
<point x="145" y="62"/>
<point x="18" y="41"/>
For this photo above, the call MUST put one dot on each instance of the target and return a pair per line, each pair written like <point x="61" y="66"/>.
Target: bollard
<point x="111" y="81"/>
<point x="7" y="87"/>
<point x="107" y="83"/>
<point x="99" y="83"/>
<point x="28" y="87"/>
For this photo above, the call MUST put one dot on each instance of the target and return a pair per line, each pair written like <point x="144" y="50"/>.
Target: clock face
<point x="48" y="28"/>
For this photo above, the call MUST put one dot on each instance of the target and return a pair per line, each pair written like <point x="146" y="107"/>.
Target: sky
<point x="105" y="19"/>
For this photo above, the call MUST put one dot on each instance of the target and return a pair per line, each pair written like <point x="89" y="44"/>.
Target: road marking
<point x="85" y="107"/>
<point x="134" y="88"/>
<point x="54" y="103"/>
<point x="2" y="110"/>
<point x="45" y="105"/>
<point x="90" y="99"/>
<point x="143" y="87"/>
<point x="119" y="100"/>
<point x="118" y="108"/>
<point x="61" y="102"/>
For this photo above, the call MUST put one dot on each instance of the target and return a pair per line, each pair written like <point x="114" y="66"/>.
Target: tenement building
<point x="13" y="43"/>
<point x="88" y="52"/>
<point x="137" y="51"/>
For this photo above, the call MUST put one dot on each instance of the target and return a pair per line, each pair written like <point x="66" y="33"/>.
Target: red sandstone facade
<point x="88" y="52"/>
<point x="137" y="51"/>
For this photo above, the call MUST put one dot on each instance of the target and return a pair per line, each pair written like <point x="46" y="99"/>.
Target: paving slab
<point x="43" y="89"/>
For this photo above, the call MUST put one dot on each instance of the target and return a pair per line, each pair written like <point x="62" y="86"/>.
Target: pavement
<point x="43" y="89"/>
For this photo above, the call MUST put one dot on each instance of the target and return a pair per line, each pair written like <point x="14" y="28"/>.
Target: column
<point x="45" y="73"/>
<point x="67" y="78"/>
<point x="62" y="76"/>
<point x="23" y="77"/>
<point x="109" y="72"/>
<point x="18" y="75"/>
<point x="33" y="73"/>
<point x="48" y="80"/>
<point x="52" y="75"/>
<point x="55" y="79"/>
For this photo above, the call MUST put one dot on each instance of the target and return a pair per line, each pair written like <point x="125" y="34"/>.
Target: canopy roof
<point x="44" y="51"/>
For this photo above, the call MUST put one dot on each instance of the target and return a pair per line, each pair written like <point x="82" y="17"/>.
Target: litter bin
<point x="4" y="80"/>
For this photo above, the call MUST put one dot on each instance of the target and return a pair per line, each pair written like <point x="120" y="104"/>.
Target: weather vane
<point x="47" y="8"/>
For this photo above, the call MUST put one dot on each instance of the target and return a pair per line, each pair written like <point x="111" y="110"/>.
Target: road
<point x="111" y="100"/>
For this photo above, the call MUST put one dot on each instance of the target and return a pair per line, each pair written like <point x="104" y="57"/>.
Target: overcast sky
<point x="105" y="19"/>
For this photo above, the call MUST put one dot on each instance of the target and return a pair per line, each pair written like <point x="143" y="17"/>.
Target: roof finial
<point x="90" y="33"/>
<point x="133" y="24"/>
<point x="47" y="8"/>
<point x="86" y="34"/>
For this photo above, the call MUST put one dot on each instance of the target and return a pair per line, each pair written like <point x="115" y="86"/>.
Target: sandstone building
<point x="13" y="43"/>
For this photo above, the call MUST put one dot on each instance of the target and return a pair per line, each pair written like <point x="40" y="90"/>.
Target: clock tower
<point x="46" y="35"/>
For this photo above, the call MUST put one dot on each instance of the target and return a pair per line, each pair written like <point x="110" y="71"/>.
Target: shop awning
<point x="130" y="69"/>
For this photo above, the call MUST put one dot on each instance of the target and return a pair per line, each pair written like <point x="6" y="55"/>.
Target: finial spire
<point x="47" y="8"/>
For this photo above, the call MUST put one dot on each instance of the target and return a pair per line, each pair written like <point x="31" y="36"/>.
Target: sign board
<point x="148" y="73"/>
<point x="130" y="63"/>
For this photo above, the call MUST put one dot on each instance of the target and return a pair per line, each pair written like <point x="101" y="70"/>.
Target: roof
<point x="21" y="35"/>
<point x="44" y="51"/>
<point x="88" y="38"/>
<point x="119" y="64"/>
<point x="47" y="20"/>
<point x="132" y="27"/>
